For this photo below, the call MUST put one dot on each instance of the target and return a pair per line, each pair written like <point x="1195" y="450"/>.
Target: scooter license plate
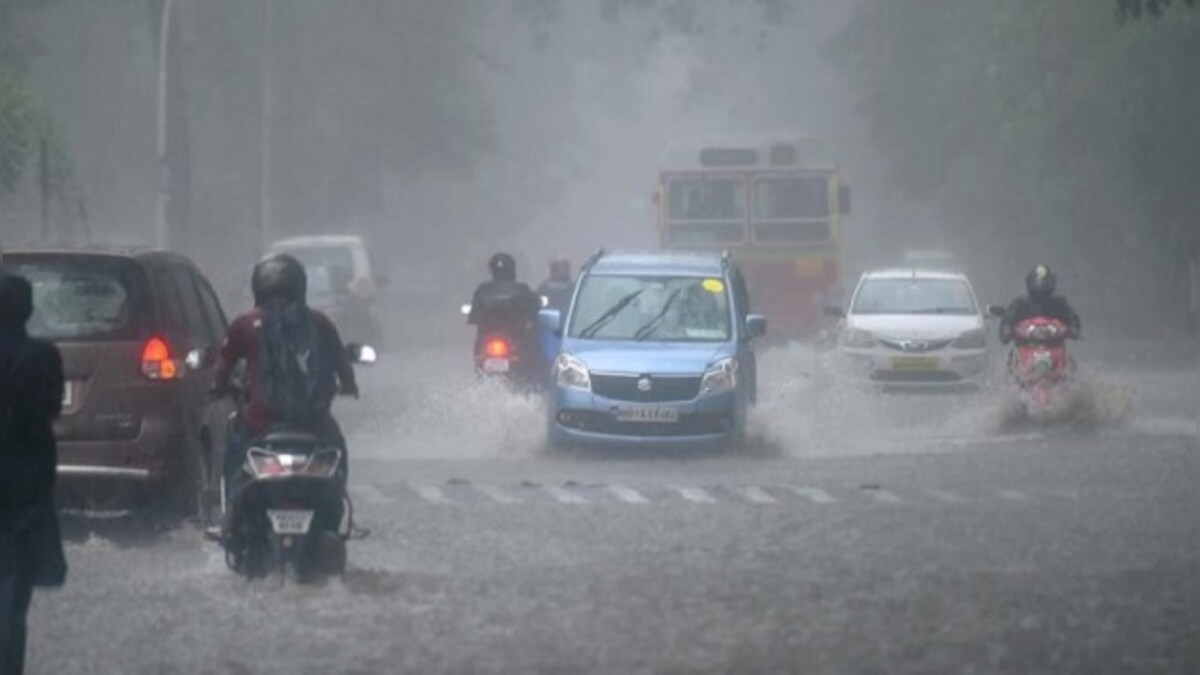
<point x="495" y="366"/>
<point x="290" y="521"/>
<point x="648" y="415"/>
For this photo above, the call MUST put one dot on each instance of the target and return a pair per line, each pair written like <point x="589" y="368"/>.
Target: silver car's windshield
<point x="652" y="308"/>
<point x="914" y="296"/>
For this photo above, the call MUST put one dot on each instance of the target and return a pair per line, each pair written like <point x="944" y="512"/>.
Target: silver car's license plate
<point x="290" y="521"/>
<point x="648" y="415"/>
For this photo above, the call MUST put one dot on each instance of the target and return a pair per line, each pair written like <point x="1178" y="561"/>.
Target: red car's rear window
<point x="84" y="297"/>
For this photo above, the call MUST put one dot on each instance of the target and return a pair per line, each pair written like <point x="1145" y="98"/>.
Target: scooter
<point x="286" y="510"/>
<point x="1041" y="368"/>
<point x="505" y="359"/>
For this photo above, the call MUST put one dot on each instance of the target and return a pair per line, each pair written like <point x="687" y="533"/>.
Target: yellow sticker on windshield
<point x="713" y="285"/>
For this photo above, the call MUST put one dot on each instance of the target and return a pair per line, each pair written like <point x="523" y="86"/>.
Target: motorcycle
<point x="507" y="359"/>
<point x="286" y="508"/>
<point x="1041" y="368"/>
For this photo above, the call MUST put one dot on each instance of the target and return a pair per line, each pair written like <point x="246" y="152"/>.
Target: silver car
<point x="915" y="327"/>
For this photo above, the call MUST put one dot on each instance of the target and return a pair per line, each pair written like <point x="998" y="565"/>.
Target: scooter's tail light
<point x="267" y="464"/>
<point x="324" y="463"/>
<point x="496" y="348"/>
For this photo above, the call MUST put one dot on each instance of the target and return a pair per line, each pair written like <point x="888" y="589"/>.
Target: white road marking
<point x="756" y="495"/>
<point x="693" y="494"/>
<point x="885" y="497"/>
<point x="497" y="495"/>
<point x="565" y="496"/>
<point x="627" y="494"/>
<point x="946" y="496"/>
<point x="431" y="493"/>
<point x="1015" y="495"/>
<point x="370" y="494"/>
<point x="815" y="495"/>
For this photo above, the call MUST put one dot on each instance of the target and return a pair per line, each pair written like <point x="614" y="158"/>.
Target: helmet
<point x="503" y="267"/>
<point x="278" y="275"/>
<point x="1040" y="281"/>
<point x="560" y="269"/>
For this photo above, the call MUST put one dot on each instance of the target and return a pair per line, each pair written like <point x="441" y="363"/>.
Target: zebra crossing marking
<point x="431" y="493"/>
<point x="695" y="495"/>
<point x="814" y="495"/>
<point x="756" y="495"/>
<point x="627" y="494"/>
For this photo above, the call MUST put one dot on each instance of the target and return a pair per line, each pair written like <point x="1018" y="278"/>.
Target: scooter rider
<point x="504" y="305"/>
<point x="294" y="359"/>
<point x="1041" y="301"/>
<point x="558" y="286"/>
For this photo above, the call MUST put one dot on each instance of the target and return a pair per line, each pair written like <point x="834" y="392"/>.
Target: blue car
<point x="656" y="349"/>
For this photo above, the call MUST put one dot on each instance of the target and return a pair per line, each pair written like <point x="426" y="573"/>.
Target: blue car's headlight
<point x="571" y="373"/>
<point x="720" y="377"/>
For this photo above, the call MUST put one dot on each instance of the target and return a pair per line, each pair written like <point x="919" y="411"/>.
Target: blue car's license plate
<point x="647" y="414"/>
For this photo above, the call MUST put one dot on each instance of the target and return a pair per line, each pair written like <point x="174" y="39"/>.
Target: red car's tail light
<point x="157" y="363"/>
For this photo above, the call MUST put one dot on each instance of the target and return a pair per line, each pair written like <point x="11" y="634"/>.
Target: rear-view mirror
<point x="996" y="311"/>
<point x="550" y="320"/>
<point x="756" y="326"/>
<point x="357" y="353"/>
<point x="200" y="359"/>
<point x="835" y="312"/>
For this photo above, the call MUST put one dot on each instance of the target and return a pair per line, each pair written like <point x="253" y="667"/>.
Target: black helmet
<point x="1040" y="281"/>
<point x="278" y="275"/>
<point x="503" y="267"/>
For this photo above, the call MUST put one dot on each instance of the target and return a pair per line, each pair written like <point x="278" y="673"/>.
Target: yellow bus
<point x="778" y="205"/>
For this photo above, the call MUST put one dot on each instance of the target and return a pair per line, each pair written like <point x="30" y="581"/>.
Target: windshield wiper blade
<point x="650" y="326"/>
<point x="595" y="326"/>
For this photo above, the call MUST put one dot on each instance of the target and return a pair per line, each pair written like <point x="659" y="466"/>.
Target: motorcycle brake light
<point x="496" y="348"/>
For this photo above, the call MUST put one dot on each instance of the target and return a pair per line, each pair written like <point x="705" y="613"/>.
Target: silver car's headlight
<point x="972" y="339"/>
<point x="571" y="373"/>
<point x="858" y="339"/>
<point x="720" y="377"/>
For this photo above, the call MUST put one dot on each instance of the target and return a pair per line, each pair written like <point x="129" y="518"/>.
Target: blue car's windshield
<point x="651" y="308"/>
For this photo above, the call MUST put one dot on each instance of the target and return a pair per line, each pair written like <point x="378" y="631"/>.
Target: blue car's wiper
<point x="595" y="326"/>
<point x="648" y="329"/>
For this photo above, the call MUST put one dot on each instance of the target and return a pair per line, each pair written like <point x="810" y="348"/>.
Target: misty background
<point x="1009" y="132"/>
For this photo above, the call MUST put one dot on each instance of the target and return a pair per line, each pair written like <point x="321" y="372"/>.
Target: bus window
<point x="786" y="197"/>
<point x="706" y="198"/>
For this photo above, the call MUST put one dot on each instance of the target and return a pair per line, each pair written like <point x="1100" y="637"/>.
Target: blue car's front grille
<point x="646" y="388"/>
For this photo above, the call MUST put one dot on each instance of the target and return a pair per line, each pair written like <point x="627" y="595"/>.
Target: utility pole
<point x="163" y="170"/>
<point x="267" y="110"/>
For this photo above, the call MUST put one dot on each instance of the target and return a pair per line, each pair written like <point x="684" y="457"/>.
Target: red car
<point x="133" y="414"/>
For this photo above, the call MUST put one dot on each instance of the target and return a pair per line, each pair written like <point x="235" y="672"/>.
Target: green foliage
<point x="19" y="126"/>
<point x="1135" y="8"/>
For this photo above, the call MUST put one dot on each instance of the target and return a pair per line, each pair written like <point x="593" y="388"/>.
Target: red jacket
<point x="243" y="343"/>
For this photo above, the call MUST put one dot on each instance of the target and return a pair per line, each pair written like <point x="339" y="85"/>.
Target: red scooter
<point x="1041" y="368"/>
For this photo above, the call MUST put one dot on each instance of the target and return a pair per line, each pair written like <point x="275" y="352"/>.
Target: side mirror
<point x="756" y="326"/>
<point x="996" y="311"/>
<point x="550" y="320"/>
<point x="465" y="309"/>
<point x="545" y="300"/>
<point x="201" y="359"/>
<point x="835" y="312"/>
<point x="843" y="199"/>
<point x="357" y="353"/>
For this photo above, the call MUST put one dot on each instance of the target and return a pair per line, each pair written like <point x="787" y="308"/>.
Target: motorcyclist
<point x="1041" y="301"/>
<point x="557" y="288"/>
<point x="505" y="306"/>
<point x="295" y="362"/>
